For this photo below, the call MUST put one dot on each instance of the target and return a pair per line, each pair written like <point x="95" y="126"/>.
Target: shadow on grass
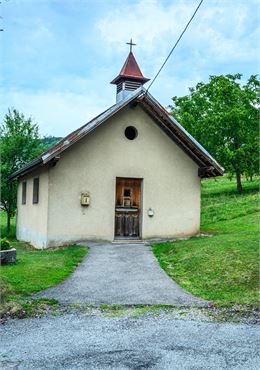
<point x="252" y="189"/>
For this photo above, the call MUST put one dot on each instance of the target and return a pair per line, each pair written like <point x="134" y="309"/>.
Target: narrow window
<point x="36" y="190"/>
<point x="24" y="192"/>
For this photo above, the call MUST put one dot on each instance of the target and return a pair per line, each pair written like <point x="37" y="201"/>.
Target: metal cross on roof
<point x="131" y="44"/>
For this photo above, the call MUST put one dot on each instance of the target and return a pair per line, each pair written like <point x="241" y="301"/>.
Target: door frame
<point x="140" y="208"/>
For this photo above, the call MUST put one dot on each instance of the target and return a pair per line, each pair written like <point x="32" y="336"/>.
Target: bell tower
<point x="130" y="77"/>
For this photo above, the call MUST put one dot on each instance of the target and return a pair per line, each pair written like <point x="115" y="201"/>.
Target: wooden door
<point x="127" y="211"/>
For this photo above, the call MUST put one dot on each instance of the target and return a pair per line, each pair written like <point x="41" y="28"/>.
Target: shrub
<point x="5" y="244"/>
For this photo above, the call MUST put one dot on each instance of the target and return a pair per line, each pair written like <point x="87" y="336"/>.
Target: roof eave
<point x="95" y="123"/>
<point x="185" y="140"/>
<point x="35" y="163"/>
<point x="189" y="144"/>
<point x="117" y="79"/>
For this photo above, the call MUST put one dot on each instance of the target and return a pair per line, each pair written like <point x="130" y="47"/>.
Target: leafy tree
<point x="223" y="116"/>
<point x="49" y="141"/>
<point x="20" y="142"/>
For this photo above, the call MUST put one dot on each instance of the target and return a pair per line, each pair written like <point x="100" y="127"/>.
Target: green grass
<point x="223" y="268"/>
<point x="221" y="202"/>
<point x="35" y="270"/>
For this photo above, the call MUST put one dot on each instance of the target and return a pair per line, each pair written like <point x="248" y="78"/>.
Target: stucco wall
<point x="171" y="186"/>
<point x="31" y="224"/>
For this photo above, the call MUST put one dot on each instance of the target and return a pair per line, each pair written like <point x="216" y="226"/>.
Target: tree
<point x="223" y="116"/>
<point x="49" y="141"/>
<point x="20" y="142"/>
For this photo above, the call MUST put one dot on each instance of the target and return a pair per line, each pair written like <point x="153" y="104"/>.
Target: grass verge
<point x="112" y="310"/>
<point x="209" y="313"/>
<point x="35" y="270"/>
<point x="223" y="268"/>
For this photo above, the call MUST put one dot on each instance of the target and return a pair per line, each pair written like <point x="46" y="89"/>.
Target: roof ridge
<point x="196" y="151"/>
<point x="73" y="132"/>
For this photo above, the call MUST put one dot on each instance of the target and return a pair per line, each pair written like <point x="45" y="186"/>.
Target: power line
<point x="187" y="25"/>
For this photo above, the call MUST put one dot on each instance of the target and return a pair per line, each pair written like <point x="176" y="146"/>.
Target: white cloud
<point x="221" y="39"/>
<point x="56" y="113"/>
<point x="63" y="83"/>
<point x="220" y="28"/>
<point x="146" y="22"/>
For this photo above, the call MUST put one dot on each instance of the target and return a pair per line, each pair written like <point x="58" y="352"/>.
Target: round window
<point x="131" y="133"/>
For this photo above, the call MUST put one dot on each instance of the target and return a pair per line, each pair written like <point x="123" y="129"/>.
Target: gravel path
<point x="120" y="274"/>
<point x="76" y="341"/>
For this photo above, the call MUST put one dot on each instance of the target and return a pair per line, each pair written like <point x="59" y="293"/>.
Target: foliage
<point x="224" y="267"/>
<point x="5" y="244"/>
<point x="12" y="233"/>
<point x="223" y="116"/>
<point x="49" y="141"/>
<point x="20" y="142"/>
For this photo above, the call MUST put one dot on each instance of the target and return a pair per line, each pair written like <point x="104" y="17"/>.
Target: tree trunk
<point x="8" y="226"/>
<point x="239" y="184"/>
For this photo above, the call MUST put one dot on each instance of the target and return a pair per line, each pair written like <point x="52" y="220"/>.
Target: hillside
<point x="48" y="141"/>
<point x="222" y="267"/>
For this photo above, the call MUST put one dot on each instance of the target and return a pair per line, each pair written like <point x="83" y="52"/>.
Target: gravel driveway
<point x="120" y="274"/>
<point x="76" y="341"/>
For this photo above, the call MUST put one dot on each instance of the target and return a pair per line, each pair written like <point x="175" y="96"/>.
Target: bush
<point x="5" y="244"/>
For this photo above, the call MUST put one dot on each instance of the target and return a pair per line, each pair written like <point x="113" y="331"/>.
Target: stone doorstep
<point x="149" y="241"/>
<point x="128" y="241"/>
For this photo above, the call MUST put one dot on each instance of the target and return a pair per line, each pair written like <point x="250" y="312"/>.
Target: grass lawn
<point x="223" y="268"/>
<point x="34" y="270"/>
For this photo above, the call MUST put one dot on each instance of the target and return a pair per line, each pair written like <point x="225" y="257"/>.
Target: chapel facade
<point x="131" y="173"/>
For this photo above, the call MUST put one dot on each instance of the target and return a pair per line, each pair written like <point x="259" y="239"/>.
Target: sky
<point x="58" y="57"/>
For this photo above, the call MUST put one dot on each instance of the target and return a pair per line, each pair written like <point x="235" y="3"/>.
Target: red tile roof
<point x="130" y="70"/>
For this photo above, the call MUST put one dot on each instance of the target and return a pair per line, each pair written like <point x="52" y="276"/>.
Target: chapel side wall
<point x="171" y="186"/>
<point x="31" y="219"/>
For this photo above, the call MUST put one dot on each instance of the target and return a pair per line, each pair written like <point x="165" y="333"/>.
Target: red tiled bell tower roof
<point x="130" y="71"/>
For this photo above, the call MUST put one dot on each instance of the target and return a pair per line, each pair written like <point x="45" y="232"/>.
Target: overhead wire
<point x="176" y="43"/>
